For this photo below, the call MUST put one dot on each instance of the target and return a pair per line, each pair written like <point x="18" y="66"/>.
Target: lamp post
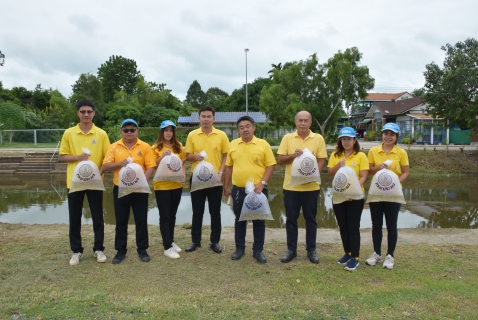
<point x="247" y="107"/>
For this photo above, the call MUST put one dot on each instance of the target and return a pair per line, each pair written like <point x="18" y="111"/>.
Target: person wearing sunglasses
<point x="84" y="135"/>
<point x="129" y="146"/>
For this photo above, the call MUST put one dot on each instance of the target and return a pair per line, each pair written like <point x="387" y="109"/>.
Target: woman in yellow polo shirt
<point x="168" y="193"/>
<point x="348" y="213"/>
<point x="388" y="150"/>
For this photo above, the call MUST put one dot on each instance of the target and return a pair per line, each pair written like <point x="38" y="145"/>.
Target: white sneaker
<point x="373" y="259"/>
<point x="389" y="262"/>
<point x="100" y="256"/>
<point x="176" y="247"/>
<point x="171" y="253"/>
<point x="75" y="258"/>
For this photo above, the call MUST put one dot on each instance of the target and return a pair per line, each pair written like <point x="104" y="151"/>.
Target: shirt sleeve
<point x="110" y="154"/>
<point x="149" y="158"/>
<point x="65" y="144"/>
<point x="270" y="160"/>
<point x="321" y="150"/>
<point x="189" y="143"/>
<point x="106" y="143"/>
<point x="403" y="158"/>
<point x="332" y="160"/>
<point x="364" y="162"/>
<point x="225" y="144"/>
<point x="284" y="145"/>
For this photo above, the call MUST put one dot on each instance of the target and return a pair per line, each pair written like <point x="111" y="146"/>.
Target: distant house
<point x="229" y="118"/>
<point x="411" y="117"/>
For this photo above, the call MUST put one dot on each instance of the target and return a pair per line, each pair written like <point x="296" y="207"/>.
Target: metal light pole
<point x="247" y="107"/>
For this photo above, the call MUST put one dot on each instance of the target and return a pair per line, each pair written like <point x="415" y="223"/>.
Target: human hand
<point x="83" y="156"/>
<point x="199" y="157"/>
<point x="258" y="188"/>
<point x="227" y="193"/>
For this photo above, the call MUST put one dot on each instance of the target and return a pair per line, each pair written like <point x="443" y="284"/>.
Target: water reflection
<point x="441" y="204"/>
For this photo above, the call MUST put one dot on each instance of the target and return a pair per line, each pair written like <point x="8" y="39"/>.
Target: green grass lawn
<point x="428" y="282"/>
<point x="6" y="144"/>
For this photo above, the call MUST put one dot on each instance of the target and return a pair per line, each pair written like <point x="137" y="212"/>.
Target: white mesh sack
<point x="132" y="179"/>
<point x="346" y="186"/>
<point x="204" y="175"/>
<point x="86" y="176"/>
<point x="385" y="186"/>
<point x="169" y="169"/>
<point x="304" y="169"/>
<point x="256" y="205"/>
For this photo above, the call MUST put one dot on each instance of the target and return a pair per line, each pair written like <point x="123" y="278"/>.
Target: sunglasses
<point x="129" y="130"/>
<point x="86" y="111"/>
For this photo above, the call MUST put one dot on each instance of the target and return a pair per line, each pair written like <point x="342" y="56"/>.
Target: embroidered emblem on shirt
<point x="353" y="164"/>
<point x="93" y="141"/>
<point x="256" y="159"/>
<point x="215" y="148"/>
<point x="140" y="153"/>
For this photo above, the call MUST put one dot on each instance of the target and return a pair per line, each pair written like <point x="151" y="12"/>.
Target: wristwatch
<point x="264" y="183"/>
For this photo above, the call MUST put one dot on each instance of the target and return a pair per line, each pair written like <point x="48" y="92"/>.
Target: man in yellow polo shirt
<point x="215" y="143"/>
<point x="304" y="196"/>
<point x="84" y="135"/>
<point x="129" y="146"/>
<point x="248" y="157"/>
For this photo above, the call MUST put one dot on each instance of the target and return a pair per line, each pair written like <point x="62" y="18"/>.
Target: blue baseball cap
<point x="392" y="127"/>
<point x="128" y="121"/>
<point x="347" y="132"/>
<point x="167" y="123"/>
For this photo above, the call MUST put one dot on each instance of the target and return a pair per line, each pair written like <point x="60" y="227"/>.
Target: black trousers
<point x="168" y="203"/>
<point x="348" y="215"/>
<point x="198" y="200"/>
<point x="75" y="210"/>
<point x="308" y="201"/>
<point x="139" y="203"/>
<point x="240" y="227"/>
<point x="390" y="210"/>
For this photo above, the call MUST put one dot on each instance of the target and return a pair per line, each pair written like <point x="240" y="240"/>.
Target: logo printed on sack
<point x="307" y="167"/>
<point x="85" y="172"/>
<point x="129" y="177"/>
<point x="384" y="182"/>
<point x="252" y="202"/>
<point x="174" y="164"/>
<point x="204" y="174"/>
<point x="340" y="183"/>
<point x="93" y="141"/>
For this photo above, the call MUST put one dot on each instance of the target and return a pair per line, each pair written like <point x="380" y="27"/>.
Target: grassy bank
<point x="428" y="282"/>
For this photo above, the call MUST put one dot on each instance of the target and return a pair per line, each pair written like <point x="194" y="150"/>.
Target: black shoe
<point x="313" y="257"/>
<point x="193" y="247"/>
<point x="288" y="256"/>
<point x="238" y="254"/>
<point x="215" y="247"/>
<point x="259" y="257"/>
<point x="118" y="258"/>
<point x="144" y="256"/>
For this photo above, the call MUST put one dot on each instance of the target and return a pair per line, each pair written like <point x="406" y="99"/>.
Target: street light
<point x="247" y="107"/>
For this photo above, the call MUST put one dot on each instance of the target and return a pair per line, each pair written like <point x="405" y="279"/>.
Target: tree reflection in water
<point x="467" y="218"/>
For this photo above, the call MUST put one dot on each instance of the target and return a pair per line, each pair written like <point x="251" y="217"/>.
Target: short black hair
<point x="245" y="118"/>
<point x="85" y="102"/>
<point x="207" y="108"/>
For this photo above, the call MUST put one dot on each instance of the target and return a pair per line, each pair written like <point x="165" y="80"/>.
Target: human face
<point x="389" y="137"/>
<point x="206" y="119"/>
<point x="303" y="121"/>
<point x="168" y="133"/>
<point x="347" y="143"/>
<point x="129" y="136"/>
<point x="86" y="114"/>
<point x="246" y="130"/>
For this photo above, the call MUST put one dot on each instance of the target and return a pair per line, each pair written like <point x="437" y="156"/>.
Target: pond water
<point x="437" y="203"/>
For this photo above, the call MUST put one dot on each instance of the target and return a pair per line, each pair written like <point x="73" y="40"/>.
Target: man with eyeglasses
<point x="216" y="144"/>
<point x="84" y="135"/>
<point x="129" y="146"/>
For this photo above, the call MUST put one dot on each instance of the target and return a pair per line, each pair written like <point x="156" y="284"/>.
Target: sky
<point x="176" y="42"/>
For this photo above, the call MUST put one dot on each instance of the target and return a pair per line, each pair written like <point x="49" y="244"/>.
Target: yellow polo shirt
<point x="357" y="161"/>
<point x="377" y="156"/>
<point x="215" y="144"/>
<point x="74" y="140"/>
<point x="292" y="141"/>
<point x="167" y="185"/>
<point x="141" y="153"/>
<point x="249" y="160"/>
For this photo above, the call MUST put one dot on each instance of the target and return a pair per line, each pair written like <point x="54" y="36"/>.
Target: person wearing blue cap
<point x="168" y="193"/>
<point x="348" y="213"/>
<point x="129" y="146"/>
<point x="388" y="150"/>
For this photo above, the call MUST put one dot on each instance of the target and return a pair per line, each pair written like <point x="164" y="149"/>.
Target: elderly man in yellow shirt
<point x="84" y="135"/>
<point x="248" y="156"/>
<point x="129" y="146"/>
<point x="304" y="196"/>
<point x="215" y="143"/>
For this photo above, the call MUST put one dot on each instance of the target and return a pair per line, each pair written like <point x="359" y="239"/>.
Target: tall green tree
<point x="320" y="89"/>
<point x="116" y="74"/>
<point x="451" y="91"/>
<point x="217" y="98"/>
<point x="195" y="96"/>
<point x="40" y="97"/>
<point x="88" y="86"/>
<point x="11" y="117"/>
<point x="237" y="99"/>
